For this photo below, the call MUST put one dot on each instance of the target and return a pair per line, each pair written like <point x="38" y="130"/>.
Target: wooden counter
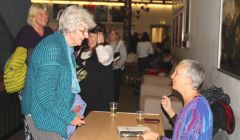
<point x="102" y="126"/>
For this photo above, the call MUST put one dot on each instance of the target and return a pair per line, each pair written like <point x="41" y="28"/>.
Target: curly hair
<point x="75" y="17"/>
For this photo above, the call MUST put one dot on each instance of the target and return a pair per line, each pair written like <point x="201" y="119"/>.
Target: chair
<point x="220" y="135"/>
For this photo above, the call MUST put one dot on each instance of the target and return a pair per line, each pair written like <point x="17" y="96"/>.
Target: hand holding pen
<point x="166" y="104"/>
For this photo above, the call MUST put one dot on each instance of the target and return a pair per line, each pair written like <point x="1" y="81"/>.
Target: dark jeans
<point x="143" y="63"/>
<point x="117" y="83"/>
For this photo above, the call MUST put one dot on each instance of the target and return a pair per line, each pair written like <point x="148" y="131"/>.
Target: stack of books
<point x="131" y="131"/>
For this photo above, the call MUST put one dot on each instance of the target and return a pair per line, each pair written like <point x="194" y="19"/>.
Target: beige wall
<point x="153" y="17"/>
<point x="147" y="19"/>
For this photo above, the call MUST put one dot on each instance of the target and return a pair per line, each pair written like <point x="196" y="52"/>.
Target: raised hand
<point x="167" y="106"/>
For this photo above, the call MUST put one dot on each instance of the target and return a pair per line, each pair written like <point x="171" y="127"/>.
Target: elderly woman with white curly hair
<point x="51" y="84"/>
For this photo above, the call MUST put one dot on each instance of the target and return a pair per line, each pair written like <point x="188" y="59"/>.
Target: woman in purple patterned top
<point x="194" y="121"/>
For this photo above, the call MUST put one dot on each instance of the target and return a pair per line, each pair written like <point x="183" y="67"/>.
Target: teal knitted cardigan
<point x="47" y="93"/>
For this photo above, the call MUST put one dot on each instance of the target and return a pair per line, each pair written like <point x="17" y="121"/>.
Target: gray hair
<point x="74" y="17"/>
<point x="34" y="9"/>
<point x="195" y="71"/>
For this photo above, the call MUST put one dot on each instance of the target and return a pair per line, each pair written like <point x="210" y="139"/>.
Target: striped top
<point x="194" y="121"/>
<point x="47" y="93"/>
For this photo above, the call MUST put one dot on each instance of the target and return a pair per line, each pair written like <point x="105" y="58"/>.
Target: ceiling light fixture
<point x="107" y="3"/>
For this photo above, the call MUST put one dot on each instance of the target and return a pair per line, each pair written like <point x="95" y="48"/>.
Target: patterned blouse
<point x="194" y="121"/>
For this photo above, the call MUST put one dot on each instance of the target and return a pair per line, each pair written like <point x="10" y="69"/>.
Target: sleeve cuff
<point x="173" y="119"/>
<point x="71" y="118"/>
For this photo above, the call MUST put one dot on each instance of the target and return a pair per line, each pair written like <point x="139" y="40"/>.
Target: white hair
<point x="75" y="17"/>
<point x="195" y="71"/>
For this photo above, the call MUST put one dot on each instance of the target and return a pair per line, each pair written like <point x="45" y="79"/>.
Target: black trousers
<point x="117" y="83"/>
<point x="143" y="63"/>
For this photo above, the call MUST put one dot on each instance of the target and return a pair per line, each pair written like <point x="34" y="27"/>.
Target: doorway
<point x="158" y="32"/>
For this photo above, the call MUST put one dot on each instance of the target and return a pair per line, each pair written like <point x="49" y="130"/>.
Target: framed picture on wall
<point x="116" y="14"/>
<point x="187" y="16"/>
<point x="229" y="38"/>
<point x="181" y="23"/>
<point x="178" y="32"/>
<point x="101" y="13"/>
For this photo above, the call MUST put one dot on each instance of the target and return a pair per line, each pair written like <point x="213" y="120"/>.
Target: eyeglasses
<point x="85" y="31"/>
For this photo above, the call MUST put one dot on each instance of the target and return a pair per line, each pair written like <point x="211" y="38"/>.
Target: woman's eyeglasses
<point x="85" y="31"/>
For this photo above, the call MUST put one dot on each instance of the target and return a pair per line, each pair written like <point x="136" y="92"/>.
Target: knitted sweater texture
<point x="47" y="93"/>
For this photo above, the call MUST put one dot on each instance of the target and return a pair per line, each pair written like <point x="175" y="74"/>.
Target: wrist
<point x="170" y="113"/>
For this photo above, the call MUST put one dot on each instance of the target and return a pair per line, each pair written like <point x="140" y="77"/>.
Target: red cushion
<point x="152" y="72"/>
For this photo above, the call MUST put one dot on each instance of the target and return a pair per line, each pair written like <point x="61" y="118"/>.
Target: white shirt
<point x="144" y="49"/>
<point x="104" y="54"/>
<point x="119" y="47"/>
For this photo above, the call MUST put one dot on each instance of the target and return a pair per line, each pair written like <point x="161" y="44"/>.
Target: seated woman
<point x="97" y="89"/>
<point x="194" y="121"/>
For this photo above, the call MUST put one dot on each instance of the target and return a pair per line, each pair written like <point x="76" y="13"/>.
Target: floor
<point x="129" y="100"/>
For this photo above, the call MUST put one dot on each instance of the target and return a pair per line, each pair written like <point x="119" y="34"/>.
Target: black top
<point x="28" y="38"/>
<point x="97" y="90"/>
